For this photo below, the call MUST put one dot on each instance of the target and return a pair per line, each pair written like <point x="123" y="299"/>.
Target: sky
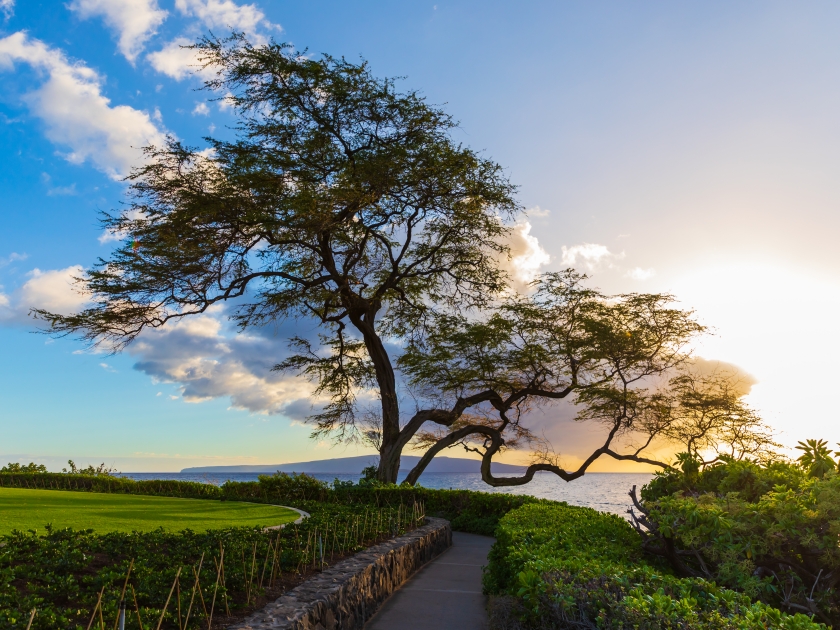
<point x="690" y="148"/>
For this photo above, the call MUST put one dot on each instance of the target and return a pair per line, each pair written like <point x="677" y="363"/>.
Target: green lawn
<point x="32" y="509"/>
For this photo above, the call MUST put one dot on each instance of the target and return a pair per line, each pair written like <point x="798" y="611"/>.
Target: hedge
<point x="558" y="566"/>
<point x="468" y="511"/>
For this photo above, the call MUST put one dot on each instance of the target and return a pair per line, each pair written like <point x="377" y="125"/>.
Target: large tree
<point x="623" y="361"/>
<point x="344" y="201"/>
<point x="341" y="199"/>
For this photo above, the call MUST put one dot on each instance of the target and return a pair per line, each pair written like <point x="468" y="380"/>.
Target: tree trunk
<point x="389" y="452"/>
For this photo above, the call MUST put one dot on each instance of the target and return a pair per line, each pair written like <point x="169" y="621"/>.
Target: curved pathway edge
<point x="346" y="595"/>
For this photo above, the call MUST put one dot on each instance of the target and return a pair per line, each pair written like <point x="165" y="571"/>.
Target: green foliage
<point x="61" y="572"/>
<point x="25" y="509"/>
<point x="342" y="199"/>
<point x="816" y="458"/>
<point x="770" y="531"/>
<point x="475" y="512"/>
<point x="749" y="479"/>
<point x="108" y="483"/>
<point x="93" y="471"/>
<point x="13" y="467"/>
<point x="558" y="566"/>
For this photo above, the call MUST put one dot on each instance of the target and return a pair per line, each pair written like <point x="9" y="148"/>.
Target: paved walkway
<point x="443" y="595"/>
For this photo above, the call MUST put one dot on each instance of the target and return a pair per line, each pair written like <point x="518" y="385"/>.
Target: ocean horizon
<point x="606" y="492"/>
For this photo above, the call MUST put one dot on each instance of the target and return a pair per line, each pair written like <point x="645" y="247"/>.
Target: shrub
<point x="770" y="531"/>
<point x="468" y="511"/>
<point x="558" y="566"/>
<point x="31" y="467"/>
<point x="62" y="572"/>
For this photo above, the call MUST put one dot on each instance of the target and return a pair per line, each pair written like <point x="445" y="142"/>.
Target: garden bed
<point x="72" y="577"/>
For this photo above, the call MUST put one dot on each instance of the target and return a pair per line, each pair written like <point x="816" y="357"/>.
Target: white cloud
<point x="201" y="109"/>
<point x="178" y="62"/>
<point x="227" y="102"/>
<point x="590" y="255"/>
<point x="135" y="21"/>
<point x="13" y="257"/>
<point x="53" y="290"/>
<point x="526" y="255"/>
<point x="197" y="354"/>
<point x="175" y="61"/>
<point x="226" y="14"/>
<point x="8" y="8"/>
<point x="637" y="273"/>
<point x="538" y="212"/>
<point x="76" y="113"/>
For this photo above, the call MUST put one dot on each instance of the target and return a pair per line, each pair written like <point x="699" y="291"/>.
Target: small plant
<point x="13" y="467"/>
<point x="816" y="458"/>
<point x="92" y="471"/>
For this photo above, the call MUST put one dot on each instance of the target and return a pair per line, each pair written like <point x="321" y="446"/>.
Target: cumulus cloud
<point x="526" y="255"/>
<point x="76" y="114"/>
<point x="226" y="14"/>
<point x="176" y="61"/>
<point x="538" y="212"/>
<point x="134" y="21"/>
<point x="53" y="290"/>
<point x="637" y="273"/>
<point x="206" y="363"/>
<point x="7" y="7"/>
<point x="201" y="109"/>
<point x="590" y="255"/>
<point x="743" y="380"/>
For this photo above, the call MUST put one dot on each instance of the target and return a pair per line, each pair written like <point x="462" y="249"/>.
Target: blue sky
<point x="684" y="147"/>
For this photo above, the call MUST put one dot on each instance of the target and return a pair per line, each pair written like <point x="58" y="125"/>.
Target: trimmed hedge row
<point x="557" y="566"/>
<point x="109" y="484"/>
<point x="468" y="511"/>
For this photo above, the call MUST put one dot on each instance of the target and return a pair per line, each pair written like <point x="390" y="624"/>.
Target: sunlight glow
<point x="780" y="325"/>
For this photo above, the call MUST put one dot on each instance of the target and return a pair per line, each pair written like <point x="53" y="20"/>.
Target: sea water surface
<point x="607" y="492"/>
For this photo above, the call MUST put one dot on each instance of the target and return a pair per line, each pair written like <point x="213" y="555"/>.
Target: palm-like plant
<point x="816" y="457"/>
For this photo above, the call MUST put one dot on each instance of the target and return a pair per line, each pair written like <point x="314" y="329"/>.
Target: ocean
<point x="607" y="492"/>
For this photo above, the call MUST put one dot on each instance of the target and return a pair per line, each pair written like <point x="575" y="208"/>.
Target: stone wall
<point x="346" y="595"/>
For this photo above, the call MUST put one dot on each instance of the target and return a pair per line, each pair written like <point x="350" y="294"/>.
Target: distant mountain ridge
<point x="354" y="466"/>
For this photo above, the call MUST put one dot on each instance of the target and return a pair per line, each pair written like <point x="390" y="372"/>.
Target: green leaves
<point x="342" y="200"/>
<point x="768" y="530"/>
<point x="14" y="467"/>
<point x="565" y="566"/>
<point x="816" y="457"/>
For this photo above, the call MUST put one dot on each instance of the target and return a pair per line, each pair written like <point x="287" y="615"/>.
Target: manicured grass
<point x="33" y="509"/>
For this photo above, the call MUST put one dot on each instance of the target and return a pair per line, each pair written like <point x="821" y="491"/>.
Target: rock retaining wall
<point x="346" y="595"/>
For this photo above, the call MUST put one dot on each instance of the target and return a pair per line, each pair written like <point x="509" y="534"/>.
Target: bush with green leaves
<point x="558" y="566"/>
<point x="768" y="530"/>
<point x="31" y="467"/>
<point x="62" y="572"/>
<point x="474" y="512"/>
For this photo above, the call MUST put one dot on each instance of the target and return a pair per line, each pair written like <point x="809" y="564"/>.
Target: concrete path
<point x="443" y="595"/>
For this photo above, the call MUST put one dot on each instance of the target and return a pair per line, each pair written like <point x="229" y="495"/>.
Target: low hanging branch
<point x="600" y="353"/>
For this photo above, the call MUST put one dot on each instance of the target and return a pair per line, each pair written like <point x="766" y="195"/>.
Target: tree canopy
<point x="623" y="361"/>
<point x="345" y="201"/>
<point x="342" y="199"/>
